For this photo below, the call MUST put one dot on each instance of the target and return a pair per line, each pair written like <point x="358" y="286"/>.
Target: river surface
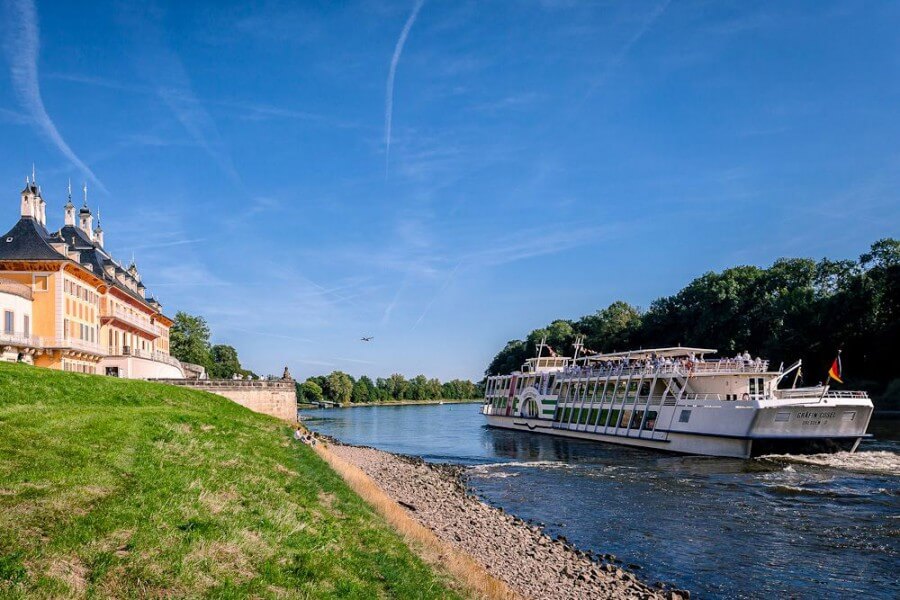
<point x="822" y="526"/>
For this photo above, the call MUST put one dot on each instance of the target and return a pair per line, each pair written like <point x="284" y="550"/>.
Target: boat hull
<point x="705" y="444"/>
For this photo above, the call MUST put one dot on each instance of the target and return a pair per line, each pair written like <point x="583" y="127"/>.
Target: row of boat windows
<point x="597" y="417"/>
<point x="596" y="388"/>
<point x="502" y="386"/>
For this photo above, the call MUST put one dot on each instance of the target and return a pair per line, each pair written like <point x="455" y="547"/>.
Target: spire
<point x="98" y="230"/>
<point x="85" y="219"/>
<point x="69" y="207"/>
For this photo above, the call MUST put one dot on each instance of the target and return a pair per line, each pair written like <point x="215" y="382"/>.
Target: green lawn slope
<point x="112" y="488"/>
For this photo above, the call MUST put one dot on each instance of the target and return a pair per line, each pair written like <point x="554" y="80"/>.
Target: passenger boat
<point x="678" y="400"/>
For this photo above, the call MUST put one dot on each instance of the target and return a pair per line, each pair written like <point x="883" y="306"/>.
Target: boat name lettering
<point x="816" y="415"/>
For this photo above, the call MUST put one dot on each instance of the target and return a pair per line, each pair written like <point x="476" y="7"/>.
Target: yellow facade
<point x="88" y="313"/>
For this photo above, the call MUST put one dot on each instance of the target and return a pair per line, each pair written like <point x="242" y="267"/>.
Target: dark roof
<point x="28" y="240"/>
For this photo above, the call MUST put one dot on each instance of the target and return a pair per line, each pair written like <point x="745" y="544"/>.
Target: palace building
<point x="67" y="304"/>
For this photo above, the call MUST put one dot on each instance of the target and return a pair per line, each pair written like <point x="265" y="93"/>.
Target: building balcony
<point x="73" y="345"/>
<point x="154" y="355"/>
<point x="19" y="340"/>
<point x="141" y="323"/>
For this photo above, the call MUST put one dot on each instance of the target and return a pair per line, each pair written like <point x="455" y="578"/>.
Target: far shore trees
<point x="333" y="388"/>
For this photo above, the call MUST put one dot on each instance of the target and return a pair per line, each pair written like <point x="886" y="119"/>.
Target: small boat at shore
<point x="677" y="400"/>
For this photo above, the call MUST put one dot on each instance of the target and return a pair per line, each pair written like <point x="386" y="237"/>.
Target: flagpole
<point x="828" y="376"/>
<point x="824" y="391"/>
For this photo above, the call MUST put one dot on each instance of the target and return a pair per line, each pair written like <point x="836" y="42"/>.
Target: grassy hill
<point x="135" y="489"/>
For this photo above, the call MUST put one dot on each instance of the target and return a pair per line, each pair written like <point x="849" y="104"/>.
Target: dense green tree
<point x="309" y="391"/>
<point x="225" y="362"/>
<point x="509" y="358"/>
<point x="338" y="387"/>
<point x="189" y="340"/>
<point x="363" y="391"/>
<point x="610" y="329"/>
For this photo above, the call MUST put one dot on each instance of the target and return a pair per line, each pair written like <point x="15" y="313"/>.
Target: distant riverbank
<point x="398" y="403"/>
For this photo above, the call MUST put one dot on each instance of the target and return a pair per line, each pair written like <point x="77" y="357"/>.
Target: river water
<point x="823" y="526"/>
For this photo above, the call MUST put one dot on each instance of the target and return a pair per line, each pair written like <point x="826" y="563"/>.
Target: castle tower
<point x="98" y="231"/>
<point x="70" y="208"/>
<point x="40" y="208"/>
<point x="33" y="204"/>
<point x="133" y="270"/>
<point x="85" y="218"/>
<point x="27" y="206"/>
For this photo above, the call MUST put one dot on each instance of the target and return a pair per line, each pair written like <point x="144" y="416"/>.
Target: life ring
<point x="745" y="397"/>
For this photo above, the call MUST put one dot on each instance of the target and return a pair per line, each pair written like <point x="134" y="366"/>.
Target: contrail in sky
<point x="22" y="50"/>
<point x="440" y="292"/>
<point x="389" y="95"/>
<point x="624" y="50"/>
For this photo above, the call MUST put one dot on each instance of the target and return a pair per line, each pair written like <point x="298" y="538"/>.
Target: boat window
<point x="636" y="419"/>
<point x="752" y="386"/>
<point x="604" y="415"/>
<point x="583" y="417"/>
<point x="645" y="388"/>
<point x="614" y="419"/>
<point x="626" y="418"/>
<point x="782" y="417"/>
<point x="685" y="416"/>
<point x="850" y="415"/>
<point x="651" y="419"/>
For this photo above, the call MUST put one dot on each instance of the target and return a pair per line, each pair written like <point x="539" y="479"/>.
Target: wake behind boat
<point x="676" y="399"/>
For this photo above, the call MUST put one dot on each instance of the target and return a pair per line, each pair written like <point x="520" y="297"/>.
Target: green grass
<point x="136" y="489"/>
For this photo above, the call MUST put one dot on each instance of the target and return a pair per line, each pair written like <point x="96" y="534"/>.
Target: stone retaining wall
<point x="276" y="398"/>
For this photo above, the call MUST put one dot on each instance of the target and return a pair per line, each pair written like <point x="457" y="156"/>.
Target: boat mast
<point x="579" y="344"/>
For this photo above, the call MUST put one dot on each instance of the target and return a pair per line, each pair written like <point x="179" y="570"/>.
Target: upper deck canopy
<point x="670" y="352"/>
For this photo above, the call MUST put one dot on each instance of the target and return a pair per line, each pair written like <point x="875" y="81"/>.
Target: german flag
<point x="835" y="371"/>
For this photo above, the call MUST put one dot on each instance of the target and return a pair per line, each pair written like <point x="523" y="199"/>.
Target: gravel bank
<point x="521" y="555"/>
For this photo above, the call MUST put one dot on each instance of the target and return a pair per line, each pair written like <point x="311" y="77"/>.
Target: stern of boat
<point x="811" y="426"/>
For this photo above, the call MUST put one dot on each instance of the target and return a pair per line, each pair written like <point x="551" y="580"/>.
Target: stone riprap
<point x="522" y="555"/>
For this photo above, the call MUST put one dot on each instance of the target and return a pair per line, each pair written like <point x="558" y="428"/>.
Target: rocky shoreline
<point x="518" y="553"/>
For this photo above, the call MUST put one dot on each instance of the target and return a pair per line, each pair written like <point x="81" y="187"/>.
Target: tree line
<point x="341" y="388"/>
<point x="189" y="342"/>
<point x="798" y="308"/>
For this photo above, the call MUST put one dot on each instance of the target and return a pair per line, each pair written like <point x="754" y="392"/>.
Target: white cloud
<point x="22" y="50"/>
<point x="389" y="92"/>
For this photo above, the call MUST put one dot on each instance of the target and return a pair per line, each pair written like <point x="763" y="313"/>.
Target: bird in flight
<point x="367" y="339"/>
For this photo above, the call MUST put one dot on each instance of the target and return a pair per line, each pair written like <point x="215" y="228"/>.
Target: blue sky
<point x="546" y="157"/>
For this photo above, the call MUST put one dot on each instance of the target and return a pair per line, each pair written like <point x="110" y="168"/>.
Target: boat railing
<point x="813" y="393"/>
<point x="681" y="369"/>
